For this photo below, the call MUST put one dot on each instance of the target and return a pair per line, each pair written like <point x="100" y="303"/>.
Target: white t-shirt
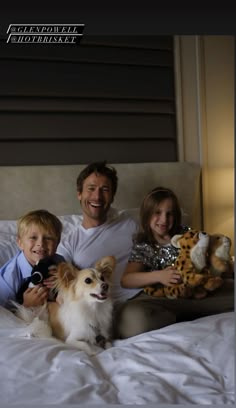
<point x="84" y="247"/>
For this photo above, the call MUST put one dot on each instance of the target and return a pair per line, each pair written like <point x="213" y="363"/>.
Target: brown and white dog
<point x="83" y="318"/>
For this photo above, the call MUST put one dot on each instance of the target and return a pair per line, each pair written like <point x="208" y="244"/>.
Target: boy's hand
<point x="35" y="296"/>
<point x="50" y="282"/>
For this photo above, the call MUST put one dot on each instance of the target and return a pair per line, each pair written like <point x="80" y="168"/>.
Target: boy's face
<point x="95" y="199"/>
<point x="36" y="244"/>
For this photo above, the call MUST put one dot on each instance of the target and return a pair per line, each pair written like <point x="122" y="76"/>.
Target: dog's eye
<point x="102" y="278"/>
<point x="88" y="280"/>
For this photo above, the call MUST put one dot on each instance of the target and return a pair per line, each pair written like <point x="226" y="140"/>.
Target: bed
<point x="185" y="363"/>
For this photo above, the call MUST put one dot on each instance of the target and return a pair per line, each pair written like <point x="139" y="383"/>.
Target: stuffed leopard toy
<point x="196" y="277"/>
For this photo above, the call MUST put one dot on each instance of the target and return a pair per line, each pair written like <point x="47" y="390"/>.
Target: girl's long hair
<point x="148" y="207"/>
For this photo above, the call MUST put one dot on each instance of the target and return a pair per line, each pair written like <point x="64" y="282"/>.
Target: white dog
<point x="83" y="318"/>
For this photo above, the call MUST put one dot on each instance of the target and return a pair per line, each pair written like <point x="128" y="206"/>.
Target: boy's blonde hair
<point x="43" y="219"/>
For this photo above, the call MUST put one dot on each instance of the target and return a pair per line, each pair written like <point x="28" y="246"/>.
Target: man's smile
<point x="93" y="204"/>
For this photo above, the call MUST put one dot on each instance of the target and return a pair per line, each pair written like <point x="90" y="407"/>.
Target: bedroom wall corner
<point x="218" y="136"/>
<point x="205" y="122"/>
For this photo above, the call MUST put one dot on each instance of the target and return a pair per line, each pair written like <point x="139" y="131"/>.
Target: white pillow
<point x="69" y="222"/>
<point x="8" y="247"/>
<point x="8" y="226"/>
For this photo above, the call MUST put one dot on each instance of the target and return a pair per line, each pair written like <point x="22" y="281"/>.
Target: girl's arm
<point x="134" y="276"/>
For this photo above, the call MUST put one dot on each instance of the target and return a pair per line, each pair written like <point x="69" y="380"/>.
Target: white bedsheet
<point x="186" y="363"/>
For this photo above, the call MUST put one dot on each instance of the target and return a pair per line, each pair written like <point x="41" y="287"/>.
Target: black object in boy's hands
<point x="39" y="273"/>
<point x="41" y="270"/>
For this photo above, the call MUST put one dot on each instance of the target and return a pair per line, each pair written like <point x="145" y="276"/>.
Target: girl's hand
<point x="50" y="281"/>
<point x="35" y="296"/>
<point x="169" y="276"/>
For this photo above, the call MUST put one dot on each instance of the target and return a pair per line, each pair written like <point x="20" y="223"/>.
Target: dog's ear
<point x="66" y="273"/>
<point x="106" y="264"/>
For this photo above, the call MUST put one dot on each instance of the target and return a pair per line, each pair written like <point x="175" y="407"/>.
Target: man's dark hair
<point x="98" y="168"/>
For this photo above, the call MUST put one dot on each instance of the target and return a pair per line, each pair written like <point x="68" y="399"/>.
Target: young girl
<point x="152" y="255"/>
<point x="150" y="262"/>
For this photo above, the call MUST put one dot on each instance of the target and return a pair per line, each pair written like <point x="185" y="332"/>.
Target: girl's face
<point x="162" y="219"/>
<point x="36" y="244"/>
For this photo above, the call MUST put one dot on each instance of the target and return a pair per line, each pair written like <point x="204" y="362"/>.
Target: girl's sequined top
<point x="155" y="257"/>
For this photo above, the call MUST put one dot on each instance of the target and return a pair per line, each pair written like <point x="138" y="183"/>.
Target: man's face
<point x="95" y="199"/>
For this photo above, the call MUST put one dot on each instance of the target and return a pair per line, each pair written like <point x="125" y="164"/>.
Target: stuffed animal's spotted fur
<point x="196" y="280"/>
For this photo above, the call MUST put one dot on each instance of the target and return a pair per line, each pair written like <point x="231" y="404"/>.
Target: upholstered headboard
<point x="24" y="188"/>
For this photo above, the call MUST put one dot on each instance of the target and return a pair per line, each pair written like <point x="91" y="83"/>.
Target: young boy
<point x="38" y="235"/>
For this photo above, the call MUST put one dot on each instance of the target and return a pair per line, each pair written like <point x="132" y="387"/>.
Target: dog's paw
<point x="94" y="350"/>
<point x="81" y="345"/>
<point x="108" y="345"/>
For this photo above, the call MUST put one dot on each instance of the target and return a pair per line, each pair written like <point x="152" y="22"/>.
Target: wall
<point x="205" y="89"/>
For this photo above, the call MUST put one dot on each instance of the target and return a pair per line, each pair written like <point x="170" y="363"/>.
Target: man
<point x="103" y="231"/>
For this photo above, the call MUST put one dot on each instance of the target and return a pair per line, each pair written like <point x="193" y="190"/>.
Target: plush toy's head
<point x="193" y="247"/>
<point x="41" y="270"/>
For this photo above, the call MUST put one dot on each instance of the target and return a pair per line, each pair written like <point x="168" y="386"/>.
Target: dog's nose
<point x="104" y="286"/>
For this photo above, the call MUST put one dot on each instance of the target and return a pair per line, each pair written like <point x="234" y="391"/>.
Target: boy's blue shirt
<point x="13" y="275"/>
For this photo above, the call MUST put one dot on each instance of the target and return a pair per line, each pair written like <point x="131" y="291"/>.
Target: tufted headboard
<point x="24" y="188"/>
